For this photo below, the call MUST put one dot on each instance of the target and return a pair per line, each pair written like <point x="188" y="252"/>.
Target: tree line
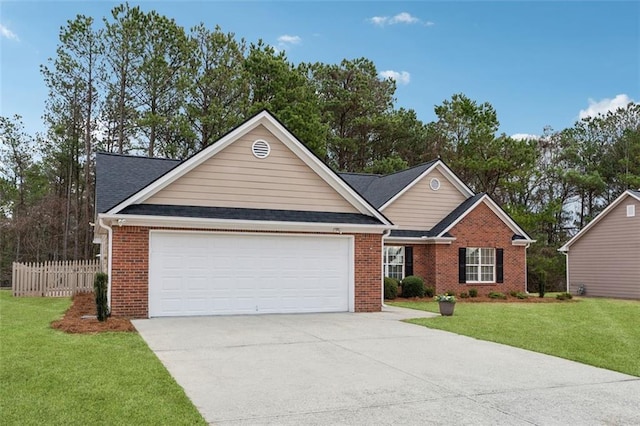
<point x="136" y="82"/>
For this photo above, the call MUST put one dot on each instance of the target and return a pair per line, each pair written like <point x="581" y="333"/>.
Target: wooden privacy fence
<point x="54" y="279"/>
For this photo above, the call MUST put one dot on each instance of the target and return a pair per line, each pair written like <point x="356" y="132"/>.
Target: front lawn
<point x="600" y="332"/>
<point x="49" y="377"/>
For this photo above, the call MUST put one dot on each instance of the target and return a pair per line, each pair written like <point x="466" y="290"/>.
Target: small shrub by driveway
<point x="50" y="377"/>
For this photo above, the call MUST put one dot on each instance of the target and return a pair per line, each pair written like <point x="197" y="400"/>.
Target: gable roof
<point x="143" y="189"/>
<point x="382" y="190"/>
<point x="469" y="205"/>
<point x="602" y="215"/>
<point x="442" y="228"/>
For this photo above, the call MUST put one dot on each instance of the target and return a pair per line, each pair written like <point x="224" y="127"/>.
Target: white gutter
<point x="385" y="234"/>
<point x="109" y="259"/>
<point x="235" y="224"/>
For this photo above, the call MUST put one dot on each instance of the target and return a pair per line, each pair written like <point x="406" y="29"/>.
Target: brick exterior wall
<point x="368" y="272"/>
<point x="481" y="228"/>
<point x="437" y="264"/>
<point x="130" y="271"/>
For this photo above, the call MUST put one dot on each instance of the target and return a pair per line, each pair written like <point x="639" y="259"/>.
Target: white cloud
<point x="403" y="18"/>
<point x="400" y="18"/>
<point x="289" y="40"/>
<point x="524" y="136"/>
<point x="401" y="77"/>
<point x="379" y="20"/>
<point x="7" y="33"/>
<point x="604" y="105"/>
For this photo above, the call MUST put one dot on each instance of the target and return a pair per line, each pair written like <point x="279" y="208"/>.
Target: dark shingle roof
<point x="377" y="189"/>
<point x="250" y="214"/>
<point x="120" y="176"/>
<point x="455" y="214"/>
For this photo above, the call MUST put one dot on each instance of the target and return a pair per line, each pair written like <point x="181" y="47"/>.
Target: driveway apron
<point x="372" y="368"/>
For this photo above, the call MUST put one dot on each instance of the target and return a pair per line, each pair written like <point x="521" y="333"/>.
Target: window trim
<point x="386" y="264"/>
<point x="479" y="265"/>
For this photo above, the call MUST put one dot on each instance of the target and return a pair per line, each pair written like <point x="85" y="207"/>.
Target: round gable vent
<point x="260" y="148"/>
<point x="434" y="184"/>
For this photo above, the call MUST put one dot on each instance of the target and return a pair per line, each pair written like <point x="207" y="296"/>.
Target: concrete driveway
<point x="373" y="369"/>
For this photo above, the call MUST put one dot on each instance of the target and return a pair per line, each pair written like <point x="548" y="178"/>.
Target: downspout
<point x="385" y="233"/>
<point x="109" y="259"/>
<point x="566" y="266"/>
<point x="526" y="275"/>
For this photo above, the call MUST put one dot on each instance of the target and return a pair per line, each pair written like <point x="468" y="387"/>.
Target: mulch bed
<point x="486" y="299"/>
<point x="83" y="305"/>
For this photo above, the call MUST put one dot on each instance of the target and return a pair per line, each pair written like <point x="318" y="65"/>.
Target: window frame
<point x="478" y="275"/>
<point x="386" y="264"/>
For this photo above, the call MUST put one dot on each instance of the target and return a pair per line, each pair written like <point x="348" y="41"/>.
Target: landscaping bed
<point x="486" y="299"/>
<point x="81" y="318"/>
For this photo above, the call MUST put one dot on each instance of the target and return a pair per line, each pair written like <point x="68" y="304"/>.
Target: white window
<point x="394" y="262"/>
<point x="481" y="265"/>
<point x="631" y="210"/>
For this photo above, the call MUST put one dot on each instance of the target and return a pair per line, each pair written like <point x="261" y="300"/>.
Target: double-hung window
<point x="394" y="262"/>
<point x="480" y="265"/>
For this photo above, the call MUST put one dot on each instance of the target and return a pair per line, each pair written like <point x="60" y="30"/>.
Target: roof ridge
<point x="430" y="163"/>
<point x="115" y="154"/>
<point x="360" y="174"/>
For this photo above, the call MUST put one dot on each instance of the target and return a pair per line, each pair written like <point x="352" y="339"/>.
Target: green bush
<point x="564" y="296"/>
<point x="464" y="295"/>
<point x="390" y="288"/>
<point x="496" y="295"/>
<point x="429" y="291"/>
<point x="100" y="290"/>
<point x="413" y="286"/>
<point x="513" y="293"/>
<point x="473" y="292"/>
<point x="521" y="295"/>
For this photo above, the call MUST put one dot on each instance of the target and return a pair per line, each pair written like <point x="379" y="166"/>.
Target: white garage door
<point x="221" y="274"/>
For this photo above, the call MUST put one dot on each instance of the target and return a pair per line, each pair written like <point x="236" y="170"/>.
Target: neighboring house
<point x="603" y="259"/>
<point x="256" y="223"/>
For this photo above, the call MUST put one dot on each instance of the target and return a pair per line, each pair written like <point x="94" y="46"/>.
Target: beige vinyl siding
<point x="421" y="207"/>
<point x="234" y="177"/>
<point x="606" y="259"/>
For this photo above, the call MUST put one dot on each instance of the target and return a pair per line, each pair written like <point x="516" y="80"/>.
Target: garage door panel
<point x="204" y="274"/>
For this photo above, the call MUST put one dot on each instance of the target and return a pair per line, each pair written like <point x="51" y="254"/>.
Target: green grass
<point x="600" y="332"/>
<point x="50" y="377"/>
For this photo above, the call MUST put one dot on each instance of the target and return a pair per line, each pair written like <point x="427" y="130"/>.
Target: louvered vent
<point x="261" y="149"/>
<point x="434" y="184"/>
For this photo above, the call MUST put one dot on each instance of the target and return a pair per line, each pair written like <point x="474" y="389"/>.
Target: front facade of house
<point x="452" y="238"/>
<point x="603" y="259"/>
<point x="255" y="223"/>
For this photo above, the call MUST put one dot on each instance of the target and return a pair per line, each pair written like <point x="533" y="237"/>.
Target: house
<point x="256" y="223"/>
<point x="603" y="259"/>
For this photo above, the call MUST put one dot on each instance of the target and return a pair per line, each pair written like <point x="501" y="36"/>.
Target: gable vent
<point x="260" y="148"/>
<point x="434" y="184"/>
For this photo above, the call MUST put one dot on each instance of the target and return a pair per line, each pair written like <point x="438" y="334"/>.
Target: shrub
<point x="473" y="292"/>
<point x="429" y="291"/>
<point x="464" y="295"/>
<point x="100" y="289"/>
<point x="390" y="288"/>
<point x="564" y="296"/>
<point x="521" y="295"/>
<point x="513" y="293"/>
<point x="413" y="286"/>
<point x="496" y="295"/>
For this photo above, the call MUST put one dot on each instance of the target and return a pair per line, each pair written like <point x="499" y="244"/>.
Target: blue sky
<point x="538" y="63"/>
